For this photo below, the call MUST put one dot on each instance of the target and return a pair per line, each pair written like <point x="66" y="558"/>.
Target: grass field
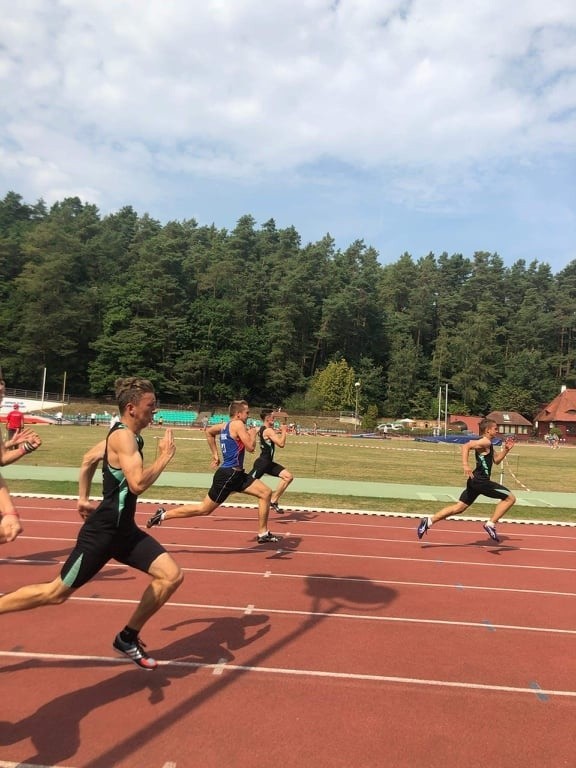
<point x="396" y="460"/>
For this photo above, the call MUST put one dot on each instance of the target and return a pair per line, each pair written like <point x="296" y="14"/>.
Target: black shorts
<point x="96" y="545"/>
<point x="266" y="468"/>
<point x="475" y="488"/>
<point x="227" y="480"/>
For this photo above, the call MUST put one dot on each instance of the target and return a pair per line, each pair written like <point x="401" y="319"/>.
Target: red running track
<point x="351" y="645"/>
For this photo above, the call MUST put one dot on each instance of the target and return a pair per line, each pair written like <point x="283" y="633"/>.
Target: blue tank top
<point x="232" y="449"/>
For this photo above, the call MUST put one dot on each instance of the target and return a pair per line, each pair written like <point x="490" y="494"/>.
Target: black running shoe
<point x="156" y="518"/>
<point x="276" y="508"/>
<point x="491" y="531"/>
<point x="134" y="650"/>
<point x="268" y="538"/>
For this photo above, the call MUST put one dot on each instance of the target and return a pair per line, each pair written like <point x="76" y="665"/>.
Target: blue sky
<point x="415" y="126"/>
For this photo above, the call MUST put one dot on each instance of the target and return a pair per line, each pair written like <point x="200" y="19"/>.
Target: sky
<point x="415" y="126"/>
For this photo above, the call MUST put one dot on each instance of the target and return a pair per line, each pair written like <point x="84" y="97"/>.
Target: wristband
<point x="28" y="447"/>
<point x="11" y="514"/>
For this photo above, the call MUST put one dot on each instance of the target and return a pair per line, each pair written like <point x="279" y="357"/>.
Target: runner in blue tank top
<point x="479" y="482"/>
<point x="235" y="439"/>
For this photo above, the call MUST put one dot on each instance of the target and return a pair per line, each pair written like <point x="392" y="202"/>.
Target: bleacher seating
<point x="175" y="418"/>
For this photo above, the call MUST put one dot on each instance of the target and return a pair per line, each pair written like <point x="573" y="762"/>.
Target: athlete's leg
<point x="166" y="578"/>
<point x="204" y="507"/>
<point x="502" y="507"/>
<point x="451" y="509"/>
<point x="263" y="494"/>
<point x="285" y="480"/>
<point x="34" y="596"/>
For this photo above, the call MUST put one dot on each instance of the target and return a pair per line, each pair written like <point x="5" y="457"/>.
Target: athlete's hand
<point x="85" y="508"/>
<point x="26" y="436"/>
<point x="166" y="445"/>
<point x="10" y="528"/>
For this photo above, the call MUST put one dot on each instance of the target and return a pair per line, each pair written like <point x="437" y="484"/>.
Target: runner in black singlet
<point x="109" y="531"/>
<point x="265" y="464"/>
<point x="479" y="482"/>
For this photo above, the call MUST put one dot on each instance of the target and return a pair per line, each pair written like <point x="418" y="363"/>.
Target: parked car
<point x="389" y="427"/>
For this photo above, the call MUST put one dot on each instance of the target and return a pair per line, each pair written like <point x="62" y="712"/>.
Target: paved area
<point x="312" y="485"/>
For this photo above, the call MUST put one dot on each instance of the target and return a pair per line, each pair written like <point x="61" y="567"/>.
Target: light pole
<point x="357" y="386"/>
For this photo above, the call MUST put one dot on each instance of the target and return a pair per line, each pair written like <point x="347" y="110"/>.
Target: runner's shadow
<point x="55" y="727"/>
<point x="294" y="516"/>
<point x="481" y="544"/>
<point x="215" y="643"/>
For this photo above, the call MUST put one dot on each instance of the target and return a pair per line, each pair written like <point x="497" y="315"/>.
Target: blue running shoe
<point x="423" y="527"/>
<point x="491" y="531"/>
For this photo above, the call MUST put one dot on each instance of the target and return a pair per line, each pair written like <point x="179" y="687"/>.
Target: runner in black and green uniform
<point x="479" y="482"/>
<point x="265" y="464"/>
<point x="109" y="531"/>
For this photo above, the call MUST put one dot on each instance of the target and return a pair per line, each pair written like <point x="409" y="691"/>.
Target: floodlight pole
<point x="357" y="386"/>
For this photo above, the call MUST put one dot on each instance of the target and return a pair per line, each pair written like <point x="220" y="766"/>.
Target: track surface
<point x="351" y="645"/>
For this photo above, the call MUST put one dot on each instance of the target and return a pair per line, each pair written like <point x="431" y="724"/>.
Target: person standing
<point x="479" y="482"/>
<point x="265" y="464"/>
<point x="24" y="442"/>
<point x="14" y="421"/>
<point x="109" y="531"/>
<point x="230" y="477"/>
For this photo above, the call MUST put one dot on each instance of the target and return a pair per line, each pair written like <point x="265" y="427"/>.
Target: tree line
<point x="210" y="315"/>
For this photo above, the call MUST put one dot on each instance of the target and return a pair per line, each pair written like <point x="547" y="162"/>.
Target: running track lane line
<point x="219" y="668"/>
<point x="270" y="574"/>
<point x="331" y="615"/>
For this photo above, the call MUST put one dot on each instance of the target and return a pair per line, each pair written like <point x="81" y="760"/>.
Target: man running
<point x="479" y="483"/>
<point x="109" y="531"/>
<point x="230" y="477"/>
<point x="265" y="464"/>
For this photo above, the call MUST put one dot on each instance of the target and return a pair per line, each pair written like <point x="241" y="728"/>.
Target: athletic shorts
<point x="266" y="468"/>
<point x="96" y="545"/>
<point x="475" y="488"/>
<point x="227" y="480"/>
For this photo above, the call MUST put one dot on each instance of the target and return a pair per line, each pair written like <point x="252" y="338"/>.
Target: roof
<point x="562" y="408"/>
<point x="509" y="417"/>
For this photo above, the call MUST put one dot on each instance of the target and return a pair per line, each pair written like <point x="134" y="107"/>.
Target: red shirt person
<point x="14" y="421"/>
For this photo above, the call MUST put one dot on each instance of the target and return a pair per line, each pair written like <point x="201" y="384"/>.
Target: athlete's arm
<point x="90" y="462"/>
<point x="211" y="434"/>
<point x="248" y="437"/>
<point x="123" y="453"/>
<point x="278" y="439"/>
<point x="508" y="445"/>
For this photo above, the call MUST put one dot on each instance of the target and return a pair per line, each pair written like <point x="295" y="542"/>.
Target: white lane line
<point x="378" y="582"/>
<point x="333" y="615"/>
<point x="4" y="764"/>
<point x="313" y="673"/>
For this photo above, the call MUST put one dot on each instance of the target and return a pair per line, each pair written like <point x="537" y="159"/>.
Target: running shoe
<point x="268" y="538"/>
<point x="156" y="518"/>
<point x="134" y="650"/>
<point x="491" y="531"/>
<point x="276" y="508"/>
<point x="423" y="527"/>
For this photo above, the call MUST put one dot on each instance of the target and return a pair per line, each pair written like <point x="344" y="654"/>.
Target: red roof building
<point x="560" y="414"/>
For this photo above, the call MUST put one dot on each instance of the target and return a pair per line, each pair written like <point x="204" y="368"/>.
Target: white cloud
<point x="102" y="95"/>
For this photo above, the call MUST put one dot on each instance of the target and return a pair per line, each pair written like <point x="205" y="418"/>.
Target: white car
<point x="389" y="427"/>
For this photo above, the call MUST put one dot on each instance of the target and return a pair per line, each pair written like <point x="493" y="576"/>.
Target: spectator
<point x="14" y="421"/>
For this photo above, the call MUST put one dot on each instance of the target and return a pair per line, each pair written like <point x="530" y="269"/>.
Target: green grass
<point x="397" y="460"/>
